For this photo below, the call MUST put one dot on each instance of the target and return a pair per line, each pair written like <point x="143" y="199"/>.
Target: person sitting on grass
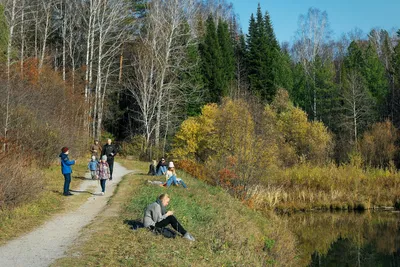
<point x="156" y="216"/>
<point x="152" y="168"/>
<point x="92" y="166"/>
<point x="103" y="173"/>
<point x="171" y="176"/>
<point x="161" y="167"/>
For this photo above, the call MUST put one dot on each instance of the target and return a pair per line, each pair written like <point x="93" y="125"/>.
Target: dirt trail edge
<point x="50" y="241"/>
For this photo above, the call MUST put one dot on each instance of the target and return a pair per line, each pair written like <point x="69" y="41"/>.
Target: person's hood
<point x="63" y="156"/>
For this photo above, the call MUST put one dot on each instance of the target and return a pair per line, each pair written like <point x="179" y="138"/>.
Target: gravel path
<point x="50" y="241"/>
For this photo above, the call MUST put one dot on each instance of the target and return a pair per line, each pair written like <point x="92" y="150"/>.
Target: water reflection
<point x="347" y="238"/>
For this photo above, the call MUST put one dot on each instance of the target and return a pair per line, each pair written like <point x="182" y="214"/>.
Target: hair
<point x="162" y="196"/>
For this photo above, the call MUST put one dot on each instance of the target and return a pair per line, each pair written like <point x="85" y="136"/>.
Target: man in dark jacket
<point x="66" y="169"/>
<point x="110" y="151"/>
<point x="161" y="168"/>
<point x="96" y="149"/>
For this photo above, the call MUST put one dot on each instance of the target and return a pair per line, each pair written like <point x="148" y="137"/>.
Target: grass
<point x="306" y="187"/>
<point x="227" y="232"/>
<point x="22" y="219"/>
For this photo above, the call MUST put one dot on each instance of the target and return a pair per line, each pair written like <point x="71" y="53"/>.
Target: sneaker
<point x="188" y="237"/>
<point x="102" y="193"/>
<point x="70" y="194"/>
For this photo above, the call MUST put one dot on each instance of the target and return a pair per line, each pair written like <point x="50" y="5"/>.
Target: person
<point x="103" y="173"/>
<point x="157" y="216"/>
<point x="92" y="166"/>
<point x="171" y="176"/>
<point x="66" y="169"/>
<point x="152" y="168"/>
<point x="95" y="149"/>
<point x="110" y="151"/>
<point x="161" y="167"/>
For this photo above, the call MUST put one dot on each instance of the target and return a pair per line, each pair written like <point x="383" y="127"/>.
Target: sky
<point x="343" y="15"/>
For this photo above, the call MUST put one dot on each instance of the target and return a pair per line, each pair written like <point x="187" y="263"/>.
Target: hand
<point x="112" y="154"/>
<point x="75" y="161"/>
<point x="95" y="151"/>
<point x="169" y="213"/>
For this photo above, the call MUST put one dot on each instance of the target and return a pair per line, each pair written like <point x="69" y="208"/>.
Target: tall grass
<point x="326" y="187"/>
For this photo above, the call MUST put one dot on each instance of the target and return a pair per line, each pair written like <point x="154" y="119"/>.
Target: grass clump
<point x="48" y="200"/>
<point x="227" y="232"/>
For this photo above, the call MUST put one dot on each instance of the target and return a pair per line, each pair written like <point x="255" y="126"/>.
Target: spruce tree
<point x="212" y="63"/>
<point x="227" y="54"/>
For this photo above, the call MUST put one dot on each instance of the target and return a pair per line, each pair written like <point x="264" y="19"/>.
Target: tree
<point x="227" y="54"/>
<point x="212" y="63"/>
<point x="356" y="108"/>
<point x="312" y="38"/>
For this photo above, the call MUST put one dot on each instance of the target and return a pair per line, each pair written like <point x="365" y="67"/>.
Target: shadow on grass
<point x="82" y="178"/>
<point x="134" y="224"/>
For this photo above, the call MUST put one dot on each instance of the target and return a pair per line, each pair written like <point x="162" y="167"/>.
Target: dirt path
<point x="49" y="242"/>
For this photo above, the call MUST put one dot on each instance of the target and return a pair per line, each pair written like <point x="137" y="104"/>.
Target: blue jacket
<point x="93" y="165"/>
<point x="66" y="164"/>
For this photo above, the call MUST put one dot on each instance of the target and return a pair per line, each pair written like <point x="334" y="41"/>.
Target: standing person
<point x="161" y="167"/>
<point x="157" y="216"/>
<point x="66" y="169"/>
<point x="103" y="173"/>
<point x="110" y="151"/>
<point x="92" y="166"/>
<point x="95" y="149"/>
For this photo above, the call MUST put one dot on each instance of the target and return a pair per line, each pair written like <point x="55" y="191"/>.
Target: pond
<point x="370" y="238"/>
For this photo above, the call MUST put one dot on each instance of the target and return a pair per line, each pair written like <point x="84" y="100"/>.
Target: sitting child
<point x="171" y="176"/>
<point x="92" y="166"/>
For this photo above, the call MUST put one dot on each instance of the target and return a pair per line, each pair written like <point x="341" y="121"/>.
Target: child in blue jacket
<point x="92" y="166"/>
<point x="66" y="169"/>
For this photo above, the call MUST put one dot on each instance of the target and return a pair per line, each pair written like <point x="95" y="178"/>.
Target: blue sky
<point x="343" y="15"/>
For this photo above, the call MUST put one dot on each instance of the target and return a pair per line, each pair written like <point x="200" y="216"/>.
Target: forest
<point x="290" y="125"/>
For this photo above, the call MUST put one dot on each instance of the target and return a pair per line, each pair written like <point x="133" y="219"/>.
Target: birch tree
<point x="312" y="37"/>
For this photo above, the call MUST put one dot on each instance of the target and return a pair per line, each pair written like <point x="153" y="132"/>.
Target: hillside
<point x="227" y="232"/>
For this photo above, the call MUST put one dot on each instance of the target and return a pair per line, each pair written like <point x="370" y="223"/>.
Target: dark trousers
<point x="103" y="185"/>
<point x="171" y="220"/>
<point x="111" y="165"/>
<point x="67" y="181"/>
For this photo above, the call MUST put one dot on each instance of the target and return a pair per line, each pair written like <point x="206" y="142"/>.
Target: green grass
<point x="227" y="232"/>
<point x="24" y="218"/>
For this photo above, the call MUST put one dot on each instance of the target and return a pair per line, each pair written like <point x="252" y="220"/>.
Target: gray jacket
<point x="153" y="215"/>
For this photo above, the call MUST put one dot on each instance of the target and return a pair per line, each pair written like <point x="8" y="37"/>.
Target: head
<point x="104" y="158"/>
<point x="171" y="165"/>
<point x="96" y="142"/>
<point x="162" y="160"/>
<point x="65" y="150"/>
<point x="93" y="158"/>
<point x="164" y="198"/>
<point x="109" y="141"/>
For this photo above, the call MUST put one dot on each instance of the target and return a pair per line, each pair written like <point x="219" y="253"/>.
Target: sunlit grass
<point x="227" y="232"/>
<point x="24" y="218"/>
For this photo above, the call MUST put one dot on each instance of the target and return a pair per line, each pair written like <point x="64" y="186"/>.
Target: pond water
<point x="370" y="238"/>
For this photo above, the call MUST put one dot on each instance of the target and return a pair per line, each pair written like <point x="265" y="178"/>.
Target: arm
<point x="69" y="162"/>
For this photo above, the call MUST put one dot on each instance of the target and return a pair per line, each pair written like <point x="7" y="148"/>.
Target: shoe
<point x="67" y="195"/>
<point x="102" y="193"/>
<point x="189" y="237"/>
<point x="70" y="194"/>
<point x="110" y="179"/>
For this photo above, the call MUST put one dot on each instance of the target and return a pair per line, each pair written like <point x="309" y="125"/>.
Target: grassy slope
<point x="227" y="232"/>
<point x="20" y="220"/>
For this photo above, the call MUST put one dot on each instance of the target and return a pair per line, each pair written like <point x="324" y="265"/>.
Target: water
<point x="347" y="238"/>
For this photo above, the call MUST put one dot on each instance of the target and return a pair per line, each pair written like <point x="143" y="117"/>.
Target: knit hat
<point x="64" y="149"/>
<point x="93" y="157"/>
<point x="104" y="157"/>
<point x="171" y="165"/>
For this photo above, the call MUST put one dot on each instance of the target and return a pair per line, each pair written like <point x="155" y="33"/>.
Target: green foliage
<point x="4" y="31"/>
<point x="265" y="63"/>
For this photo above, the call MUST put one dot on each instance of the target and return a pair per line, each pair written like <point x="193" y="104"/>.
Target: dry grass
<point x="227" y="232"/>
<point x="328" y="187"/>
<point x="48" y="201"/>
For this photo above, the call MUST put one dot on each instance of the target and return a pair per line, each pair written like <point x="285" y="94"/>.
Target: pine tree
<point x="228" y="56"/>
<point x="212" y="63"/>
<point x="3" y="35"/>
<point x="375" y="75"/>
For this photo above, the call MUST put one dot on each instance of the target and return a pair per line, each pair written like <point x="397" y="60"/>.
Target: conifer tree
<point x="227" y="56"/>
<point x="212" y="63"/>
